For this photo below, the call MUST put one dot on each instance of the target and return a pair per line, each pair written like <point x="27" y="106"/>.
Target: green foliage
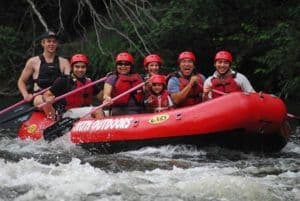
<point x="101" y="58"/>
<point x="263" y="36"/>
<point x="12" y="51"/>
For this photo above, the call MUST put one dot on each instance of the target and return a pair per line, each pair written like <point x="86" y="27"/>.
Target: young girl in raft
<point x="159" y="98"/>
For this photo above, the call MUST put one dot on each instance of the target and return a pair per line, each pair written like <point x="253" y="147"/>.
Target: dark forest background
<point x="263" y="36"/>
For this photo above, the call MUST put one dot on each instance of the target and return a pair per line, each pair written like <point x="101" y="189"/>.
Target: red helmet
<point x="158" y="79"/>
<point x="125" y="56"/>
<point x="152" y="58"/>
<point x="224" y="55"/>
<point x="186" y="55"/>
<point x="79" y="58"/>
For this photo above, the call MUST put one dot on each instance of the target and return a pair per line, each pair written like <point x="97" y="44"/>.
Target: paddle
<point x="13" y="115"/>
<point x="57" y="129"/>
<point x="73" y="91"/>
<point x="291" y="116"/>
<point x="22" y="101"/>
<point x="24" y="112"/>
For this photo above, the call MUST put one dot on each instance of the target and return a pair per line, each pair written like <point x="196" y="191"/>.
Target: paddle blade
<point x="14" y="118"/>
<point x="58" y="129"/>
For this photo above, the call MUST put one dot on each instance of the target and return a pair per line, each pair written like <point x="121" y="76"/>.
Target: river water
<point x="61" y="171"/>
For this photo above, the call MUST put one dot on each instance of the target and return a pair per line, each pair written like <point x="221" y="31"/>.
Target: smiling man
<point x="185" y="86"/>
<point x="224" y="78"/>
<point x="44" y="68"/>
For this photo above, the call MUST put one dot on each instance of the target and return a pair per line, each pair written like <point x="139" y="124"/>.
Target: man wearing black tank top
<point x="43" y="69"/>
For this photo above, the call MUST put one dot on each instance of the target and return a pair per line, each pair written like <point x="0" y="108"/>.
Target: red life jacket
<point x="124" y="83"/>
<point x="158" y="103"/>
<point x="81" y="98"/>
<point x="195" y="95"/>
<point x="226" y="85"/>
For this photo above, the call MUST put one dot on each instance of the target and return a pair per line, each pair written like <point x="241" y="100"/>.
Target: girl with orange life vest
<point x="224" y="78"/>
<point x="185" y="86"/>
<point x="65" y="84"/>
<point x="121" y="81"/>
<point x="159" y="98"/>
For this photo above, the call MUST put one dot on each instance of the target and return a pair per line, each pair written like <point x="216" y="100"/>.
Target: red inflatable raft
<point x="238" y="120"/>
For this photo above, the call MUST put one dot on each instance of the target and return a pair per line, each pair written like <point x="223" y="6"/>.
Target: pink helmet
<point x="158" y="79"/>
<point x="186" y="55"/>
<point x="125" y="56"/>
<point x="79" y="58"/>
<point x="224" y="55"/>
<point x="152" y="58"/>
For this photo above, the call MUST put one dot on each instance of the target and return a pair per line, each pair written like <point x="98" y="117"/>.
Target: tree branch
<point x="38" y="14"/>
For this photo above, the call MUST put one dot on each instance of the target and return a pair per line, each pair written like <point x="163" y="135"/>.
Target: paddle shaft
<point x="22" y="101"/>
<point x="291" y="116"/>
<point x="57" y="129"/>
<point x="115" y="98"/>
<point x="73" y="91"/>
<point x="56" y="99"/>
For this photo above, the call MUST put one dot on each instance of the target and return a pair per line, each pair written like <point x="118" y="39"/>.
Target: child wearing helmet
<point x="152" y="64"/>
<point x="119" y="82"/>
<point x="159" y="98"/>
<point x="185" y="85"/>
<point x="224" y="78"/>
<point x="62" y="85"/>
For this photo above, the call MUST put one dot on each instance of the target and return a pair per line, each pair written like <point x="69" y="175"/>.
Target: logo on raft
<point x="157" y="119"/>
<point x="31" y="128"/>
<point x="103" y="124"/>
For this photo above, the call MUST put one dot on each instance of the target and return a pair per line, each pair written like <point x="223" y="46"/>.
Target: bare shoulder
<point x="33" y="62"/>
<point x="64" y="65"/>
<point x="63" y="60"/>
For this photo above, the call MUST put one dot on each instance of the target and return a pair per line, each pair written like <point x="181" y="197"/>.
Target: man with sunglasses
<point x="122" y="80"/>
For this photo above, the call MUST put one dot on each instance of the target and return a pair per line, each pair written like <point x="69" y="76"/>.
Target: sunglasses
<point x="123" y="64"/>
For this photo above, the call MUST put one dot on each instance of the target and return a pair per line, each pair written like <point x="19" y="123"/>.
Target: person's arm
<point x="207" y="88"/>
<point x="24" y="77"/>
<point x="65" y="66"/>
<point x="99" y="96"/>
<point x="108" y="87"/>
<point x="61" y="86"/>
<point x="107" y="93"/>
<point x="180" y="96"/>
<point x="48" y="96"/>
<point x="244" y="83"/>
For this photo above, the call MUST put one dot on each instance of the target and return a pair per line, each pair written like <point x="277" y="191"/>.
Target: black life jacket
<point x="48" y="72"/>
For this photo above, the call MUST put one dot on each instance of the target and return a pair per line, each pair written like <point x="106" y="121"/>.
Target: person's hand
<point x="207" y="89"/>
<point x="28" y="97"/>
<point x="48" y="99"/>
<point x="107" y="100"/>
<point x="194" y="80"/>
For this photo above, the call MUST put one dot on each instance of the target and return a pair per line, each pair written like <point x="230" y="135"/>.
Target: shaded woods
<point x="264" y="36"/>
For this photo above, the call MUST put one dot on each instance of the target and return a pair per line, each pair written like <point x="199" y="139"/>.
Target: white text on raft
<point x="105" y="124"/>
